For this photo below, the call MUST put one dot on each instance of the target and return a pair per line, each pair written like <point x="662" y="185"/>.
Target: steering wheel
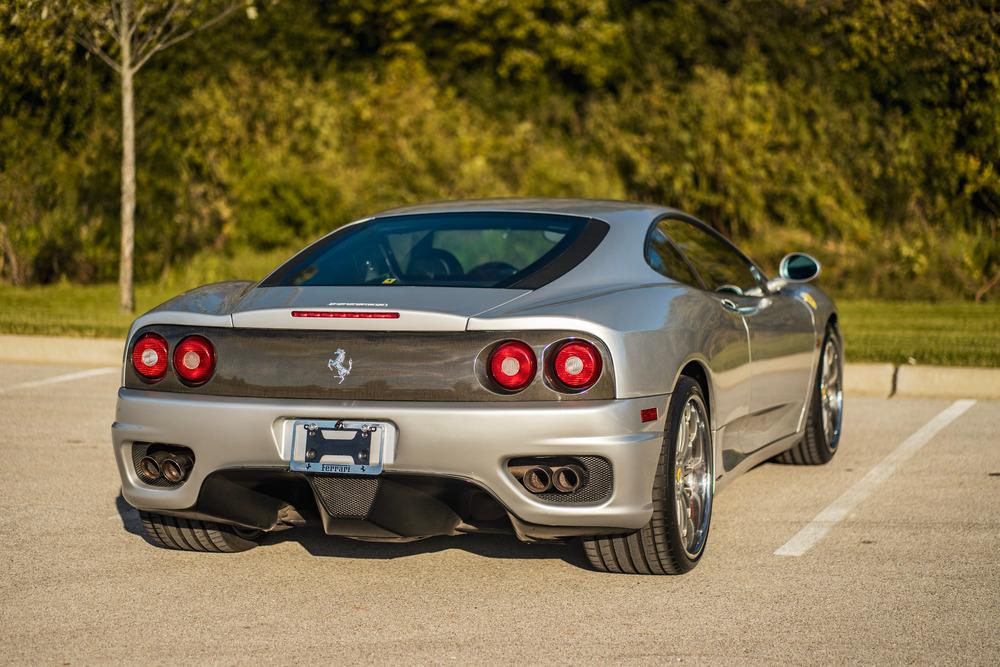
<point x="434" y="263"/>
<point x="492" y="271"/>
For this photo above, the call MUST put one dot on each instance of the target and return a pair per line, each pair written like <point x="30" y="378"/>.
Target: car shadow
<point x="317" y="543"/>
<point x="130" y="519"/>
<point x="129" y="516"/>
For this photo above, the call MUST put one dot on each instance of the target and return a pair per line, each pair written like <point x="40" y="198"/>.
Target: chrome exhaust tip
<point x="537" y="479"/>
<point x="176" y="468"/>
<point x="568" y="479"/>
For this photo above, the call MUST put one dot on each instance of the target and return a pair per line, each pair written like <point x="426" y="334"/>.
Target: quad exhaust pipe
<point x="150" y="465"/>
<point x="568" y="479"/>
<point x="537" y="479"/>
<point x="542" y="478"/>
<point x="171" y="466"/>
<point x="175" y="468"/>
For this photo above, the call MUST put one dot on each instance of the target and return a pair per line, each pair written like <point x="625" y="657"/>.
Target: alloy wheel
<point x="831" y="393"/>
<point x="693" y="476"/>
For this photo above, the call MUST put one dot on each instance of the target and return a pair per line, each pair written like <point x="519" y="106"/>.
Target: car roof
<point x="610" y="211"/>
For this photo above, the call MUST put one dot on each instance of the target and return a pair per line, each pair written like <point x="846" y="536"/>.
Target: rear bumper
<point x="467" y="441"/>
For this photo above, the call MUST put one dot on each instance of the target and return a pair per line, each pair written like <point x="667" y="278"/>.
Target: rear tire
<point x="171" y="532"/>
<point x="662" y="546"/>
<point x="826" y="408"/>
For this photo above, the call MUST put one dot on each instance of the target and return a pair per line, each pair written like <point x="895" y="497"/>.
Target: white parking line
<point x="68" y="377"/>
<point x="836" y="511"/>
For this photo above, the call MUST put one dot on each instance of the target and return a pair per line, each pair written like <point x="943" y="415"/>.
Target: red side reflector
<point x="345" y="314"/>
<point x="647" y="415"/>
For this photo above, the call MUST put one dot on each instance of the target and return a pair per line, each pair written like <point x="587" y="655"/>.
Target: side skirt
<point x="754" y="459"/>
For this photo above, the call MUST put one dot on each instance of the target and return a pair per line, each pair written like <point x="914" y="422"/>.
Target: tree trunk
<point x="7" y="253"/>
<point x="126" y="288"/>
<point x="990" y="284"/>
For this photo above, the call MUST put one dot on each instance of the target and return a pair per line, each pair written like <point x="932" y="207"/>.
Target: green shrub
<point x="866" y="132"/>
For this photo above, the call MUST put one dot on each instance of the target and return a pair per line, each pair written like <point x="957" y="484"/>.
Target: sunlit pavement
<point x="910" y="574"/>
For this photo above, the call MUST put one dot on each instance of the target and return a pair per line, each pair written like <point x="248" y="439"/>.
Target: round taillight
<point x="512" y="365"/>
<point x="577" y="365"/>
<point x="149" y="356"/>
<point x="194" y="359"/>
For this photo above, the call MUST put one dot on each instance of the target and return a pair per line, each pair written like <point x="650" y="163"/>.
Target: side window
<point x="664" y="258"/>
<point x="719" y="264"/>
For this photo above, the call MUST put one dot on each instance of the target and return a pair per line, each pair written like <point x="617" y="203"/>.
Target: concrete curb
<point x="947" y="382"/>
<point x="62" y="350"/>
<point x="916" y="381"/>
<point x="882" y="380"/>
<point x="869" y="379"/>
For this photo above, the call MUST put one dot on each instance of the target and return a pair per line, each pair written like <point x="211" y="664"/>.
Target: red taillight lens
<point x="512" y="365"/>
<point x="149" y="356"/>
<point x="194" y="359"/>
<point x="577" y="365"/>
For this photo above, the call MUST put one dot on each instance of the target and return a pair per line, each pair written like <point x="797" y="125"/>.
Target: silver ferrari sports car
<point x="556" y="369"/>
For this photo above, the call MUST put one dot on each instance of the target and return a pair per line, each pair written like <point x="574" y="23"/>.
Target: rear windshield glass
<point x="522" y="250"/>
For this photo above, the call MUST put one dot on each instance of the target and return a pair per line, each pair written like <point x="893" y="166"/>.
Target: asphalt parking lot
<point x="910" y="572"/>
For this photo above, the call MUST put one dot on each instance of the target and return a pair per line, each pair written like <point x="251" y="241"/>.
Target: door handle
<point x="731" y="306"/>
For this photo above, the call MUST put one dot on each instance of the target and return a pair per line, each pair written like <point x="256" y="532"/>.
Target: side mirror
<point x="798" y="267"/>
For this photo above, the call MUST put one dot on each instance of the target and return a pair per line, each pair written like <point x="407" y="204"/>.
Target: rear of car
<point x="364" y="384"/>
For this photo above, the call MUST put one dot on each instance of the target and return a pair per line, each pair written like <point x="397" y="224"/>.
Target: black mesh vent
<point x="139" y="450"/>
<point x="598" y="486"/>
<point x="346" y="497"/>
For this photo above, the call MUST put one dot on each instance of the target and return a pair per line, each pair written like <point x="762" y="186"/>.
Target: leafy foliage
<point x="864" y="131"/>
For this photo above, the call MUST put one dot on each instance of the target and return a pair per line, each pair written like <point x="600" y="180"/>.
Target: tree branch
<point x="170" y="40"/>
<point x="116" y="16"/>
<point x="139" y="15"/>
<point x="153" y="34"/>
<point x="91" y="45"/>
<point x="108" y="30"/>
<point x="95" y="9"/>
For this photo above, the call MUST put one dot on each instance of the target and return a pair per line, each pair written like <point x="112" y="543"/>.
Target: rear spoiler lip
<point x="419" y="308"/>
<point x="209" y="305"/>
<point x="404" y="320"/>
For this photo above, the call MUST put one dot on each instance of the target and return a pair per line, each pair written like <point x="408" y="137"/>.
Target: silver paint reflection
<point x="761" y="362"/>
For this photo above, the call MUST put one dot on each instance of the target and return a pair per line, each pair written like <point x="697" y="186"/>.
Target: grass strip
<point x="951" y="333"/>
